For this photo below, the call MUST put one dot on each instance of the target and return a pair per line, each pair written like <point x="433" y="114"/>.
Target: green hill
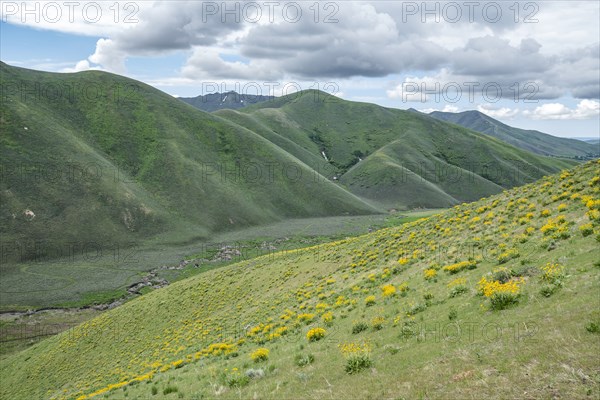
<point x="530" y="140"/>
<point x="394" y="158"/>
<point x="493" y="299"/>
<point x="98" y="157"/>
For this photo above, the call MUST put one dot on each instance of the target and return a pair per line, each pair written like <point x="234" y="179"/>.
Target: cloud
<point x="82" y="65"/>
<point x="547" y="60"/>
<point x="447" y="108"/>
<point x="494" y="112"/>
<point x="586" y="109"/>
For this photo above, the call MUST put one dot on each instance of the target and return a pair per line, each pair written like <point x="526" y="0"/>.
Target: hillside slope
<point x="97" y="157"/>
<point x="394" y="158"/>
<point x="530" y="140"/>
<point x="493" y="299"/>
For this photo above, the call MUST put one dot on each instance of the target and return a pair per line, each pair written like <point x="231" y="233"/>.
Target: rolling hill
<point x="97" y="157"/>
<point x="396" y="159"/>
<point x="530" y="140"/>
<point x="457" y="305"/>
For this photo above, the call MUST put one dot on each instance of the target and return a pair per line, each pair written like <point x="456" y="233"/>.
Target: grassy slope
<point x="538" y="348"/>
<point x="530" y="140"/>
<point x="409" y="159"/>
<point x="175" y="165"/>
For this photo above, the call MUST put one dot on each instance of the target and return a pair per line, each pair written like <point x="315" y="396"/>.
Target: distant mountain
<point x="531" y="140"/>
<point x="229" y="100"/>
<point x="591" y="140"/>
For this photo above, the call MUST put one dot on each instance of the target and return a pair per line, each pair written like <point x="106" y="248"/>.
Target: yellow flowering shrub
<point x="327" y="317"/>
<point x="457" y="267"/>
<point x="315" y="334"/>
<point x="260" y="354"/>
<point x="370" y="300"/>
<point x="552" y="272"/>
<point x="430" y="273"/>
<point x="306" y="317"/>
<point x="501" y="295"/>
<point x="586" y="229"/>
<point x="358" y="356"/>
<point x="388" y="290"/>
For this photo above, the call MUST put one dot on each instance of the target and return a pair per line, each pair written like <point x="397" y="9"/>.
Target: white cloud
<point x="502" y="112"/>
<point x="586" y="109"/>
<point x="82" y="65"/>
<point x="447" y="108"/>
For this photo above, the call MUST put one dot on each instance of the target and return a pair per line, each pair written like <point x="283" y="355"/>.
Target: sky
<point x="531" y="64"/>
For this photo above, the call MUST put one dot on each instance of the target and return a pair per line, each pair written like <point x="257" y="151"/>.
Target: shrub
<point x="170" y="389"/>
<point x="416" y="308"/>
<point x="358" y="357"/>
<point x="377" y="323"/>
<point x="306" y="317"/>
<point x="502" y="274"/>
<point x="586" y="229"/>
<point x="327" y="318"/>
<point x="370" y="300"/>
<point x="303" y="360"/>
<point x="458" y="290"/>
<point x="154" y="390"/>
<point x="452" y="315"/>
<point x="358" y="327"/>
<point x="501" y="295"/>
<point x="508" y="255"/>
<point x="592" y="327"/>
<point x="548" y="290"/>
<point x="260" y="354"/>
<point x="553" y="273"/>
<point x="388" y="290"/>
<point x="455" y="268"/>
<point x="430" y="274"/>
<point x="315" y="334"/>
<point x="235" y="379"/>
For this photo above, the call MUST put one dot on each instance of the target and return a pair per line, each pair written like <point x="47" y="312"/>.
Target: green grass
<point x="81" y="281"/>
<point x="200" y="332"/>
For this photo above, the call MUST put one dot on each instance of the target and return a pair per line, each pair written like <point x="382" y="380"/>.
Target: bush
<point x="388" y="290"/>
<point x="377" y="323"/>
<point x="236" y="379"/>
<point x="458" y="290"/>
<point x="358" y="362"/>
<point x="502" y="300"/>
<point x="303" y="360"/>
<point x="154" y="390"/>
<point x="260" y="354"/>
<point x="553" y="273"/>
<point x="170" y="389"/>
<point x="548" y="290"/>
<point x="452" y="315"/>
<point x="358" y="357"/>
<point x="370" y="300"/>
<point x="501" y="295"/>
<point x="358" y="327"/>
<point x="586" y="229"/>
<point x="315" y="334"/>
<point x="592" y="327"/>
